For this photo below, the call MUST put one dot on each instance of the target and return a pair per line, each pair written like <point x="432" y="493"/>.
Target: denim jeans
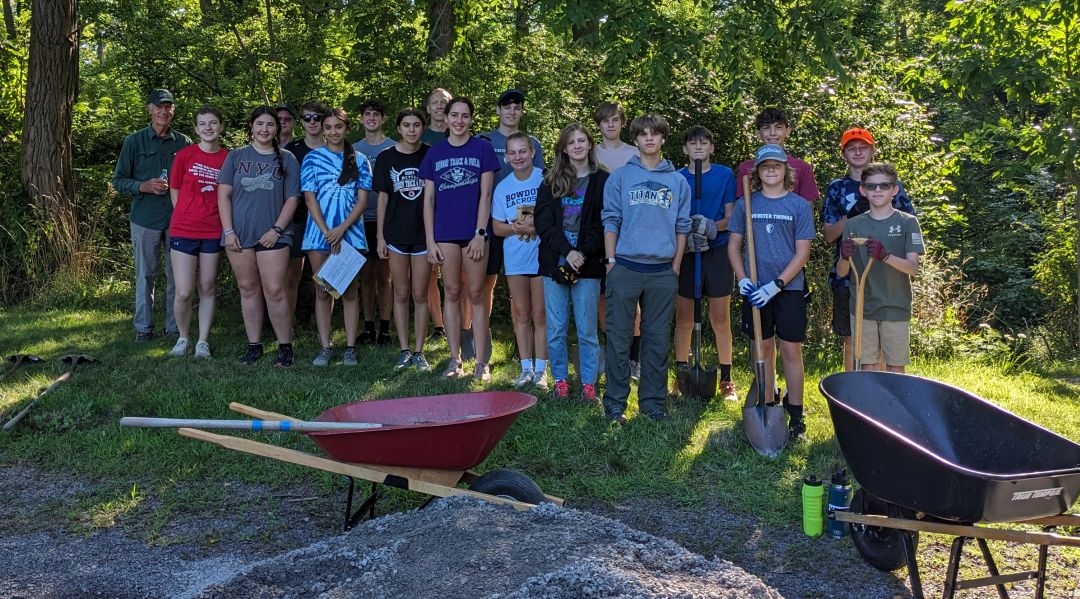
<point x="585" y="295"/>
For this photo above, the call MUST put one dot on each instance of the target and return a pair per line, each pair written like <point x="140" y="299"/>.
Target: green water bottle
<point x="813" y="494"/>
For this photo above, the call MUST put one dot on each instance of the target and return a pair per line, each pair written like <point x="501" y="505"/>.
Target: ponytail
<point x="349" y="170"/>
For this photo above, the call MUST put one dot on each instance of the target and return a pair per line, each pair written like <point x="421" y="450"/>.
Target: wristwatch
<point x="609" y="261"/>
<point x="779" y="283"/>
<point x="481" y="233"/>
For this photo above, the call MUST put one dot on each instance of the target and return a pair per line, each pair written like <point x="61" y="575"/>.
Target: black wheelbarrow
<point x="931" y="457"/>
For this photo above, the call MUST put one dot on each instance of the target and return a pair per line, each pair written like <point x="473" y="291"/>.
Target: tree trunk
<point x="52" y="82"/>
<point x="270" y="30"/>
<point x="1076" y="214"/>
<point x="440" y="28"/>
<point x="9" y="20"/>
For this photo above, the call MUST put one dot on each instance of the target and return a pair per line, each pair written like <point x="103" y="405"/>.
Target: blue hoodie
<point x="647" y="208"/>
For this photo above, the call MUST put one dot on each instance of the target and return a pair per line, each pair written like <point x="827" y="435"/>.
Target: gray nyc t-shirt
<point x="778" y="223"/>
<point x="259" y="191"/>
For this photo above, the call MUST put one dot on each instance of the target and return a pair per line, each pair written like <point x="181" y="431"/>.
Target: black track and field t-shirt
<point x="398" y="174"/>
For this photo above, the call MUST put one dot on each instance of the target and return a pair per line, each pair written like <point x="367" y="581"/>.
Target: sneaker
<point x="420" y="362"/>
<point x="202" y="350"/>
<point x="797" y="428"/>
<point x="170" y="335"/>
<point x="454" y="370"/>
<point x="323" y="357"/>
<point x="618" y="419"/>
<point x="349" y="357"/>
<point x="181" y="348"/>
<point x="635" y="370"/>
<point x="284" y="357"/>
<point x="540" y="380"/>
<point x="656" y="416"/>
<point x="437" y="335"/>
<point x="384" y="339"/>
<point x="367" y="337"/>
<point x="588" y="393"/>
<point x="561" y="390"/>
<point x="482" y="372"/>
<point x="728" y="392"/>
<point x="252" y="355"/>
<point x="404" y="360"/>
<point x="143" y="336"/>
<point x="524" y="378"/>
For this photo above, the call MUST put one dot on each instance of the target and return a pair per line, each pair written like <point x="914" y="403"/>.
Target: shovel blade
<point x="766" y="429"/>
<point x="696" y="381"/>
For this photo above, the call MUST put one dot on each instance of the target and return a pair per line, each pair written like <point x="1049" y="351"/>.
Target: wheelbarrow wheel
<point x="882" y="548"/>
<point x="509" y="484"/>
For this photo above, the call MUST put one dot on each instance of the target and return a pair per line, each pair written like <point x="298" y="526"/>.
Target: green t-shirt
<point x="888" y="291"/>
<point x="143" y="157"/>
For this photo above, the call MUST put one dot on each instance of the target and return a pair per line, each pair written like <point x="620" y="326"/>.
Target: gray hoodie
<point x="647" y="208"/>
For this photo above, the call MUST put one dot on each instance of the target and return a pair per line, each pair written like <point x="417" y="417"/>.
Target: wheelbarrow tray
<point x="941" y="451"/>
<point x="447" y="432"/>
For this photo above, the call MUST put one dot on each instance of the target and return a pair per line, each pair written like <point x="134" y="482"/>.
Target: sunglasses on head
<point x="312" y="118"/>
<point x="877" y="186"/>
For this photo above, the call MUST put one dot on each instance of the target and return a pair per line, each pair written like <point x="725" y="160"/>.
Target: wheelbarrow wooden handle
<point x="240" y="408"/>
<point x="249" y="425"/>
<point x="998" y="534"/>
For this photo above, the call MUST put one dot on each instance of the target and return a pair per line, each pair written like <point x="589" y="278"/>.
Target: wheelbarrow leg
<point x="991" y="565"/>
<point x="953" y="571"/>
<point x="912" y="565"/>
<point x="1040" y="579"/>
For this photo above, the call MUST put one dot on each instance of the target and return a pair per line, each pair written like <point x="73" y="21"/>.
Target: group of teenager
<point x="607" y="234"/>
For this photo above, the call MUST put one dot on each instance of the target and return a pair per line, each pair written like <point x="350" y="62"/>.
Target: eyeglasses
<point x="286" y="119"/>
<point x="312" y="118"/>
<point x="877" y="186"/>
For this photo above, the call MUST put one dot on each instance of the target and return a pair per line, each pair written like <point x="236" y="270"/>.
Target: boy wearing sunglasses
<point x="844" y="200"/>
<point x="300" y="288"/>
<point x="894" y="240"/>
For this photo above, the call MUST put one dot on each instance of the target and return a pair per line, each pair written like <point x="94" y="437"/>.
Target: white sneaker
<point x="180" y="349"/>
<point x="202" y="350"/>
<point x="524" y="378"/>
<point x="540" y="380"/>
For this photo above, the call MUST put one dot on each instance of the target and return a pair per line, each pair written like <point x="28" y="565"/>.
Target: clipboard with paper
<point x="340" y="269"/>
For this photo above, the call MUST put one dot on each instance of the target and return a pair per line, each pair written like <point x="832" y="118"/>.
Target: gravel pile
<point x="461" y="547"/>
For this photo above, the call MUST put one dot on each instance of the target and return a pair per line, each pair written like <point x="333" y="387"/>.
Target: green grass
<point x="699" y="456"/>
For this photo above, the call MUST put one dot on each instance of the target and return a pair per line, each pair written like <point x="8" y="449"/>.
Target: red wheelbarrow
<point x="424" y="444"/>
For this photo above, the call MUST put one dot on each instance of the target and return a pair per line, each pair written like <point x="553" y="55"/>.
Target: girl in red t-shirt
<point x="195" y="228"/>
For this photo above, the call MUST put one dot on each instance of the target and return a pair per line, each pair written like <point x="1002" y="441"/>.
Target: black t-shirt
<point x="299" y="149"/>
<point x="398" y="175"/>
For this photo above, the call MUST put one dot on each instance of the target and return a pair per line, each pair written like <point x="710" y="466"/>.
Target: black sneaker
<point x="367" y="337"/>
<point x="437" y="335"/>
<point x="796" y="424"/>
<point x="172" y="335"/>
<point x="254" y="352"/>
<point x="144" y="336"/>
<point x="384" y="339"/>
<point x="284" y="357"/>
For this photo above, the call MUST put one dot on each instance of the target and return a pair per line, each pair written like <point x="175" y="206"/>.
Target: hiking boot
<point x="540" y="380"/>
<point x="482" y="372"/>
<point x="635" y="370"/>
<point x="252" y="355"/>
<point x="144" y="336"/>
<point x="454" y="370"/>
<point x="588" y="393"/>
<point x="420" y="362"/>
<point x="524" y="378"/>
<point x="202" y="350"/>
<point x="323" y="357"/>
<point x="728" y="392"/>
<point x="349" y="357"/>
<point x="181" y="348"/>
<point x="284" y="357"/>
<point x="404" y="359"/>
<point x="561" y="390"/>
<point x="383" y="339"/>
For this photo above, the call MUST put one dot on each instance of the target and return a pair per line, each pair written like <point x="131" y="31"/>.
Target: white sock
<point x="526" y="365"/>
<point x="541" y="366"/>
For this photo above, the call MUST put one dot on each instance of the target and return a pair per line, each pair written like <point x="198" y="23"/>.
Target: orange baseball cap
<point x="856" y="133"/>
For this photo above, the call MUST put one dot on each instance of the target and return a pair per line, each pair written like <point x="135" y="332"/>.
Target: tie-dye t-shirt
<point x="319" y="175"/>
<point x="259" y="191"/>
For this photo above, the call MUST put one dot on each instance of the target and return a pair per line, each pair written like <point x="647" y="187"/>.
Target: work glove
<point x="764" y="294"/>
<point x="699" y="225"/>
<point x="746" y="287"/>
<point x="861" y="205"/>
<point x="876" y="250"/>
<point x="696" y="243"/>
<point x="847" y="248"/>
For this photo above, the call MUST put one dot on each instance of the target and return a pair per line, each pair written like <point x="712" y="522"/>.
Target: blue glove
<point x="746" y="287"/>
<point x="763" y="294"/>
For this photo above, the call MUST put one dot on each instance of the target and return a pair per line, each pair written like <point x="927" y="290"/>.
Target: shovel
<point x="73" y="361"/>
<point x="860" y="290"/>
<point x="696" y="381"/>
<point x="765" y="425"/>
<point x="17" y="361"/>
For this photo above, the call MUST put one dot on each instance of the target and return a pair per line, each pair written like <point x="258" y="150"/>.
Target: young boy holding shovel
<point x="783" y="229"/>
<point x="891" y="240"/>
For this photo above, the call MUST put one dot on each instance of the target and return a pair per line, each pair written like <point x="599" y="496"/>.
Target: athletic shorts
<point x="194" y="247"/>
<point x="495" y="255"/>
<point x="891" y="338"/>
<point x="408" y="249"/>
<point x="717" y="278"/>
<point x="784" y="316"/>
<point x="295" y="251"/>
<point x="841" y="310"/>
<point x="371" y="233"/>
<point x="258" y="247"/>
<point x="461" y="244"/>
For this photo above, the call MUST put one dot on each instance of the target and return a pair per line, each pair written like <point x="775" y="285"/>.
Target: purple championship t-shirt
<point x="455" y="171"/>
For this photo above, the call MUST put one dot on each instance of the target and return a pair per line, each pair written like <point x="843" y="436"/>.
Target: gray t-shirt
<point x="778" y="223"/>
<point x="614" y="159"/>
<point x="498" y="141"/>
<point x="371" y="151"/>
<point x="259" y="191"/>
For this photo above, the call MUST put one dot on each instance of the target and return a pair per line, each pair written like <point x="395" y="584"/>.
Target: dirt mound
<point x="460" y="547"/>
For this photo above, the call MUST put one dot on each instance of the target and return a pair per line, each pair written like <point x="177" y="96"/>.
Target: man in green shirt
<point x="142" y="172"/>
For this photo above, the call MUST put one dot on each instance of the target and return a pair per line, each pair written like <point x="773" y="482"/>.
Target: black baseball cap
<point x="285" y="107"/>
<point x="161" y="96"/>
<point x="511" y="96"/>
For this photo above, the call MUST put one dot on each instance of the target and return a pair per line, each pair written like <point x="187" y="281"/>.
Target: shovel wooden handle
<point x="22" y="414"/>
<point x="759" y="358"/>
<point x="860" y="294"/>
<point x="250" y="425"/>
<point x="257" y="413"/>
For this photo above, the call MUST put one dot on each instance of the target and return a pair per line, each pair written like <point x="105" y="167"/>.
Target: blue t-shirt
<point x="778" y="224"/>
<point x="717" y="191"/>
<point x="319" y="175"/>
<point x="455" y="171"/>
<point x="372" y="151"/>
<point x="840" y="196"/>
<point x="498" y="142"/>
